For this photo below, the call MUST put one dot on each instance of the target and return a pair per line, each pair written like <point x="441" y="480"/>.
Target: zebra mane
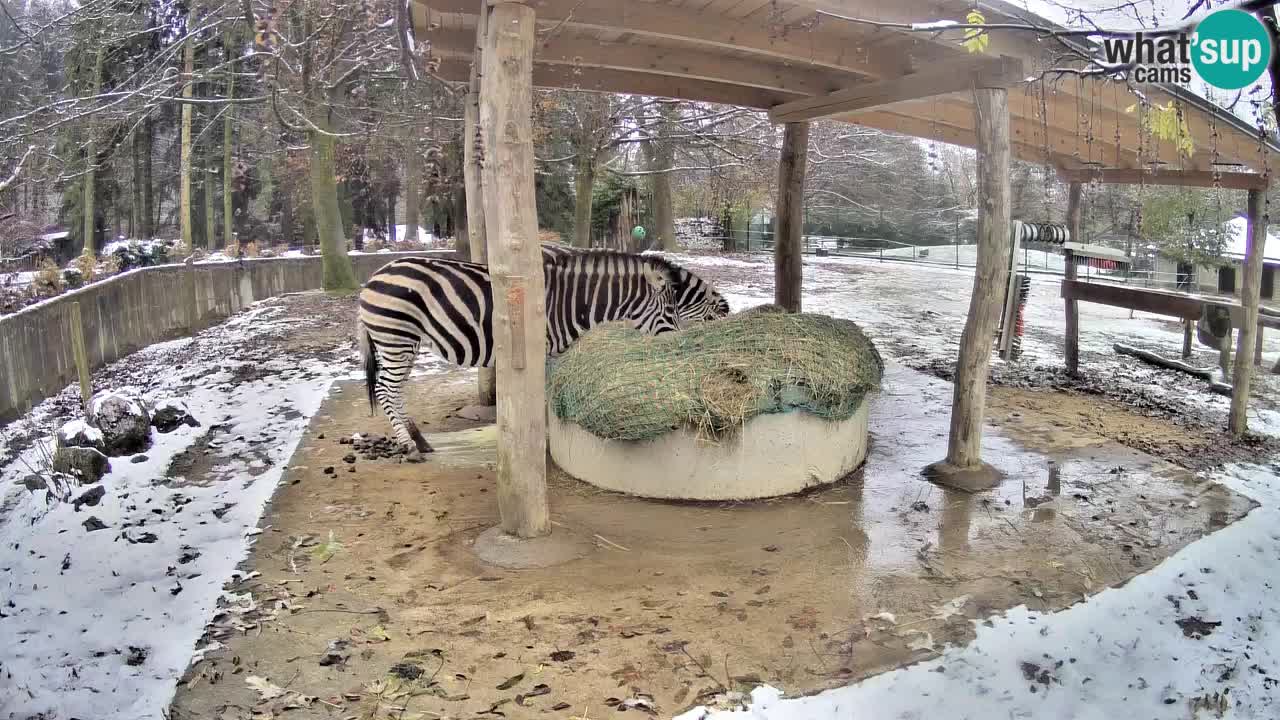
<point x="562" y="257"/>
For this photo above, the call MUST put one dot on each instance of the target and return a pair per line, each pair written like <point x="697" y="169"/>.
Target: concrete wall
<point x="135" y="309"/>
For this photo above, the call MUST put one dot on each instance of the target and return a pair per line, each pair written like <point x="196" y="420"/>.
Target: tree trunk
<point x="1249" y="292"/>
<point x="788" y="268"/>
<point x="184" y="189"/>
<point x="473" y="175"/>
<point x="286" y="214"/>
<point x="391" y="218"/>
<point x="991" y="108"/>
<point x="91" y="161"/>
<point x="458" y="209"/>
<point x="148" y="193"/>
<point x="519" y="308"/>
<point x="339" y="275"/>
<point x="412" y="174"/>
<point x="583" y="182"/>
<point x="210" y="220"/>
<point x="135" y="209"/>
<point x="228" y="216"/>
<point x="663" y="156"/>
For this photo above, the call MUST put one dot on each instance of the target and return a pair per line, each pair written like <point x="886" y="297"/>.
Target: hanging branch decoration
<point x="976" y="38"/>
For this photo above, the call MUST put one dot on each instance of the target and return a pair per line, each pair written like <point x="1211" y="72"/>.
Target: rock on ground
<point x="86" y="464"/>
<point x="170" y="413"/>
<point x="80" y="434"/>
<point x="124" y="420"/>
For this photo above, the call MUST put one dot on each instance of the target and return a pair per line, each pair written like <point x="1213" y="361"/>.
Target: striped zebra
<point x="449" y="304"/>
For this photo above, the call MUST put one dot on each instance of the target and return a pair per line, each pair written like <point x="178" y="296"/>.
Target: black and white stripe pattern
<point x="449" y="305"/>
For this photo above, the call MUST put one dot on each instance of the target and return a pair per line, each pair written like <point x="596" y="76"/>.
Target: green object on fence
<point x="621" y="384"/>
<point x="637" y="233"/>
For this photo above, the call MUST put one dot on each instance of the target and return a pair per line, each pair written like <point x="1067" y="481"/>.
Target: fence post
<point x="81" y="357"/>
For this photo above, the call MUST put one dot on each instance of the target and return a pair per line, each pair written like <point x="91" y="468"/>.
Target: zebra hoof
<point x="414" y="456"/>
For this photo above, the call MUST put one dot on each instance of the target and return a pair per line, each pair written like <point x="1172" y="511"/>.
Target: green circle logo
<point x="1230" y="49"/>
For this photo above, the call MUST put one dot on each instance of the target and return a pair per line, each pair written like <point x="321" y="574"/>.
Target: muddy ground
<point x="371" y="601"/>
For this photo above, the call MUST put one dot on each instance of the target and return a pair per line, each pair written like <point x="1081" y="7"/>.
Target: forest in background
<point x="319" y="123"/>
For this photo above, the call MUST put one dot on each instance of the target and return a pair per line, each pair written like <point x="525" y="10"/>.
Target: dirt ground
<point x="367" y="599"/>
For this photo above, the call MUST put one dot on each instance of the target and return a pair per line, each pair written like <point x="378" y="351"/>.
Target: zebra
<point x="449" y="304"/>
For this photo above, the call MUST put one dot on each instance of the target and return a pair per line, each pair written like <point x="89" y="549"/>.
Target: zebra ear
<point x="661" y="278"/>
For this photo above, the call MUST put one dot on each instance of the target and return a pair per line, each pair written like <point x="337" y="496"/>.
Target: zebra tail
<point x="370" y="361"/>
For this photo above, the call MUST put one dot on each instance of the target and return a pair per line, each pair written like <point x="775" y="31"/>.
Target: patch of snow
<point x="103" y="623"/>
<point x="1121" y="653"/>
<point x="80" y="427"/>
<point x="16" y="279"/>
<point x="424" y="237"/>
<point x="134" y="245"/>
<point x="125" y="395"/>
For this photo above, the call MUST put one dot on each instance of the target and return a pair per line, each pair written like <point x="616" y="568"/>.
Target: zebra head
<point x="658" y="313"/>
<point x="696" y="300"/>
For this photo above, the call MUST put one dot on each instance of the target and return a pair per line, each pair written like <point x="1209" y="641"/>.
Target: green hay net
<point x="620" y="384"/>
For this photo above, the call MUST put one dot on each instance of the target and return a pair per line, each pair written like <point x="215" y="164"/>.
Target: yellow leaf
<point x="976" y="40"/>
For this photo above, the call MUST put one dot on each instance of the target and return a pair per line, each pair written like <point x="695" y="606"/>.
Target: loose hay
<point x="620" y="384"/>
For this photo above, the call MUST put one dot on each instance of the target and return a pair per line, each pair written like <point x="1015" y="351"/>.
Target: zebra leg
<point x="394" y="365"/>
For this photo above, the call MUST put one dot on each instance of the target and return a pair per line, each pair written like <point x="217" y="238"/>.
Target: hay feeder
<point x="757" y="405"/>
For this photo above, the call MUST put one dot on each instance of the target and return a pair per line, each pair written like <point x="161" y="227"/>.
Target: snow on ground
<point x="424" y="237"/>
<point x="14" y="279"/>
<point x="1121" y="653"/>
<point x="102" y="623"/>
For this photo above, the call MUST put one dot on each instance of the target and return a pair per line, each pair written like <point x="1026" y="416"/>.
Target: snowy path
<point x="102" y="622"/>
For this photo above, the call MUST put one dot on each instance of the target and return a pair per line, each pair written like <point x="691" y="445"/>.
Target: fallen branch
<point x="1209" y="374"/>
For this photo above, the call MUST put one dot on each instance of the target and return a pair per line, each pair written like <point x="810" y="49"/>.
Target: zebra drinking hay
<point x="449" y="304"/>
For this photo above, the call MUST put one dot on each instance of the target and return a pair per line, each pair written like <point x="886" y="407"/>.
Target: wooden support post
<point x="1257" y="347"/>
<point x="963" y="466"/>
<point x="788" y="267"/>
<point x="1188" y="330"/>
<point x="81" y="356"/>
<point x="1072" y="336"/>
<point x="1249" y="292"/>
<point x="515" y="261"/>
<point x="472" y="150"/>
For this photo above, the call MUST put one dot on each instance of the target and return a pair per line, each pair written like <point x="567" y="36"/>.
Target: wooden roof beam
<point x="1062" y="150"/>
<point x="810" y="48"/>
<point x="1188" y="178"/>
<point x="586" y="54"/>
<point x="1003" y="72"/>
<point x="635" y="83"/>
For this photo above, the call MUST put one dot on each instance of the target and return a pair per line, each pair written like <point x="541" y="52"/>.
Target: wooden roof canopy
<point x="787" y="57"/>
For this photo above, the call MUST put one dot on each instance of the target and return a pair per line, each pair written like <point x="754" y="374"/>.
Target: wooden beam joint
<point x="1002" y="72"/>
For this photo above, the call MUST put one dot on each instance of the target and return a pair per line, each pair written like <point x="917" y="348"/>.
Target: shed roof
<point x="763" y="53"/>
